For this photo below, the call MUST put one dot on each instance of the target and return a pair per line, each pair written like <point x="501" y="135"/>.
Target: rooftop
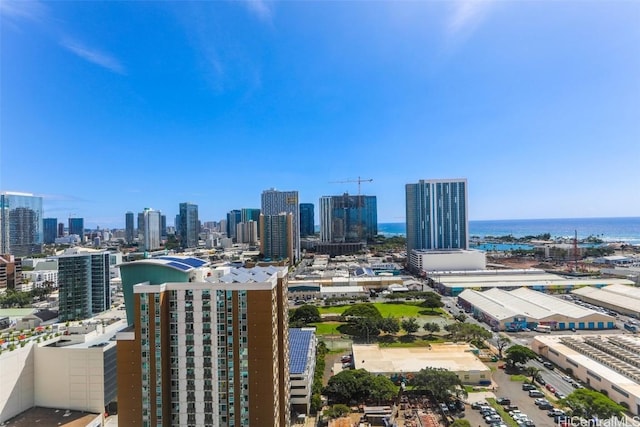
<point x="299" y="342"/>
<point x="627" y="297"/>
<point x="523" y="301"/>
<point x="450" y="356"/>
<point x="182" y="263"/>
<point x="51" y="417"/>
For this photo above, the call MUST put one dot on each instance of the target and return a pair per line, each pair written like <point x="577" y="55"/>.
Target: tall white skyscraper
<point x="151" y="233"/>
<point x="275" y="202"/>
<point x="437" y="214"/>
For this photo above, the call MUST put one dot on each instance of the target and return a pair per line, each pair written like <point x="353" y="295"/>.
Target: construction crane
<point x="359" y="200"/>
<point x="359" y="181"/>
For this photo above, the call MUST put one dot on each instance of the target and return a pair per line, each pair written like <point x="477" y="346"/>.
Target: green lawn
<point x="327" y="328"/>
<point x="405" y="309"/>
<point x="403" y="343"/>
<point x="521" y="378"/>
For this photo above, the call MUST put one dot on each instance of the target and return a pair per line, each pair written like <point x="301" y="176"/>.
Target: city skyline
<point x="539" y="116"/>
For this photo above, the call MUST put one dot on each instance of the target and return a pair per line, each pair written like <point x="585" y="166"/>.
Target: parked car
<point x="478" y="405"/>
<point x="545" y="406"/>
<point x="559" y="395"/>
<point x="551" y="388"/>
<point x="490" y="419"/>
<point x="536" y="393"/>
<point x="541" y="381"/>
<point x="540" y="401"/>
<point x="555" y="412"/>
<point x="503" y="401"/>
<point x="528" y="386"/>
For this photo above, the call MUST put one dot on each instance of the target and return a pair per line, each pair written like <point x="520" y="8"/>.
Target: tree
<point x="362" y="310"/>
<point x="410" y="325"/>
<point x="432" y="301"/>
<point x="502" y="343"/>
<point x="337" y="411"/>
<point x="365" y="326"/>
<point x="440" y="382"/>
<point x="359" y="385"/>
<point x="381" y="389"/>
<point x="306" y="314"/>
<point x="533" y="372"/>
<point x="588" y="404"/>
<point x="519" y="355"/>
<point x="431" y="327"/>
<point x="390" y="325"/>
<point x="460" y="317"/>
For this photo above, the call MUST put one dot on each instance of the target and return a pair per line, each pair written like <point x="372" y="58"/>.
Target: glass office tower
<point x="21" y="225"/>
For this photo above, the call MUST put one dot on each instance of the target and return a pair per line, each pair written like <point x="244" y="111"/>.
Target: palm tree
<point x="533" y="372"/>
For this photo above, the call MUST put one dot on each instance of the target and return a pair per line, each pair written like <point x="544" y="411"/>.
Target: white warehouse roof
<point x="523" y="301"/>
<point x="626" y="297"/>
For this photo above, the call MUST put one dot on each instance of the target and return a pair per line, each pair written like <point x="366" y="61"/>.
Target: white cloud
<point x="94" y="56"/>
<point x="466" y="17"/>
<point x="23" y="10"/>
<point x="260" y="8"/>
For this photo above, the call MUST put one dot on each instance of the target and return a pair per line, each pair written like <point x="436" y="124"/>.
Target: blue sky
<point x="107" y="107"/>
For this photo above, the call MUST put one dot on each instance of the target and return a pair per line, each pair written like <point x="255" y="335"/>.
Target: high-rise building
<point x="437" y="214"/>
<point x="50" y="230"/>
<point x="275" y="202"/>
<point x="10" y="272"/>
<point x="129" y="229"/>
<point x="21" y="229"/>
<point x="83" y="283"/>
<point x="250" y="214"/>
<point x="348" y="218"/>
<point x="163" y="226"/>
<point x="234" y="218"/>
<point x="76" y="226"/>
<point x="307" y="220"/>
<point x="277" y="231"/>
<point x="189" y="225"/>
<point x="151" y="229"/>
<point x="207" y="353"/>
<point x="247" y="232"/>
<point x="61" y="229"/>
<point x="140" y="226"/>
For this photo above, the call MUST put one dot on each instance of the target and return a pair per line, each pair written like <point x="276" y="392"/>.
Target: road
<point x="553" y="377"/>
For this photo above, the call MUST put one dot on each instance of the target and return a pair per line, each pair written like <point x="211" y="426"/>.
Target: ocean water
<point x="608" y="229"/>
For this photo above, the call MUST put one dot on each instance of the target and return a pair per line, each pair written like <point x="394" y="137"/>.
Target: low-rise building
<point x="302" y="366"/>
<point x="73" y="371"/>
<point x="608" y="364"/>
<point x="525" y="308"/>
<point x="620" y="298"/>
<point x="454" y="357"/>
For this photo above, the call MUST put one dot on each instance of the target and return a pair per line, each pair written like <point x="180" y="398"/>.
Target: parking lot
<point x="520" y="398"/>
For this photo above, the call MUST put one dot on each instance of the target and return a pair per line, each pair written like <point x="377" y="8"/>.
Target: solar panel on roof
<point x="193" y="262"/>
<point x="179" y="266"/>
<point x="299" y="342"/>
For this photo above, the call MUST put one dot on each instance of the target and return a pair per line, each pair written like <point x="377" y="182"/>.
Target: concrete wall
<point x="16" y="381"/>
<point x="70" y="378"/>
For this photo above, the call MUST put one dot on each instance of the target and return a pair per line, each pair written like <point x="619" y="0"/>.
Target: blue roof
<point x="180" y="266"/>
<point x="299" y="342"/>
<point x="193" y="262"/>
